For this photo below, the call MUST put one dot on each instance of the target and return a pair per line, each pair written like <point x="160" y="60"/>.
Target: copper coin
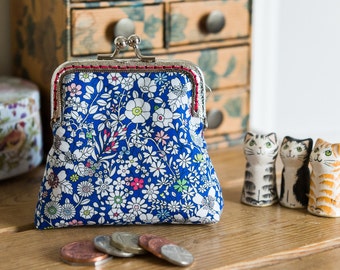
<point x="155" y="245"/>
<point x="144" y="239"/>
<point x="82" y="253"/>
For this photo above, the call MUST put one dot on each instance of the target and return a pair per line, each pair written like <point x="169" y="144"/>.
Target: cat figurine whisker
<point x="295" y="178"/>
<point x="259" y="188"/>
<point x="324" y="193"/>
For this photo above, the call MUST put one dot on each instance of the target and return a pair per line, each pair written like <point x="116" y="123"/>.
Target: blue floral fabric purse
<point x="128" y="145"/>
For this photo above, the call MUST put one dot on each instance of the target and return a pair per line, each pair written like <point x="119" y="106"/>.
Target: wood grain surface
<point x="247" y="237"/>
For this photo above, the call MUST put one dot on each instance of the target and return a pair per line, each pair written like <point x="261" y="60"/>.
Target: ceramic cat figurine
<point x="295" y="174"/>
<point x="324" y="194"/>
<point x="259" y="187"/>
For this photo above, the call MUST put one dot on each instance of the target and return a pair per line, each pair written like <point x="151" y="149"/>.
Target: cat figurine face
<point x="324" y="195"/>
<point x="325" y="156"/>
<point x="259" y="188"/>
<point x="260" y="149"/>
<point x="294" y="151"/>
<point x="295" y="154"/>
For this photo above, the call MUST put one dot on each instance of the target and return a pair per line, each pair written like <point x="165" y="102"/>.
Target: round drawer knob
<point x="214" y="118"/>
<point x="214" y="22"/>
<point x="124" y="27"/>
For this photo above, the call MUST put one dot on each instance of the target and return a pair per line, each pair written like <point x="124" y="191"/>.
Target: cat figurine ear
<point x="259" y="187"/>
<point x="248" y="136"/>
<point x="295" y="179"/>
<point x="324" y="193"/>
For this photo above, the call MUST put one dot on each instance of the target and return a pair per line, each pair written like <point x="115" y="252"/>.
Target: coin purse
<point x="128" y="144"/>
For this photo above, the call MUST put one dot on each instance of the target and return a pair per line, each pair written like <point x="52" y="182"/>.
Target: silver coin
<point x="127" y="242"/>
<point x="102" y="243"/>
<point x="177" y="255"/>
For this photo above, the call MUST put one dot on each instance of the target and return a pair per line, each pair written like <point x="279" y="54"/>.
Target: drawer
<point x="92" y="29"/>
<point x="222" y="67"/>
<point x="202" y="21"/>
<point x="227" y="112"/>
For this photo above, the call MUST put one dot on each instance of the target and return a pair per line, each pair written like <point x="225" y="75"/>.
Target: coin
<point x="82" y="253"/>
<point x="155" y="245"/>
<point x="127" y="242"/>
<point x="102" y="243"/>
<point x="144" y="239"/>
<point x="176" y="255"/>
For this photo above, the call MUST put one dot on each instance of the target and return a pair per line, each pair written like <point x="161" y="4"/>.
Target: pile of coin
<point x="124" y="244"/>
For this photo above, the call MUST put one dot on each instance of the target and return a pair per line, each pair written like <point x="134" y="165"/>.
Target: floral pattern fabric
<point x="128" y="150"/>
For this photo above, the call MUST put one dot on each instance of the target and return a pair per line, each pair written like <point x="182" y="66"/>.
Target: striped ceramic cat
<point x="295" y="174"/>
<point x="324" y="194"/>
<point x="259" y="187"/>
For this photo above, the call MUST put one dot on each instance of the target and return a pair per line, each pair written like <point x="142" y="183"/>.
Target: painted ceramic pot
<point x="20" y="127"/>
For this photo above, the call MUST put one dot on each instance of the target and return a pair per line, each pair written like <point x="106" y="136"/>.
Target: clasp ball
<point x="120" y="42"/>
<point x="134" y="40"/>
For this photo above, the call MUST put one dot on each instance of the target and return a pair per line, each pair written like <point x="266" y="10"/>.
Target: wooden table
<point x="246" y="237"/>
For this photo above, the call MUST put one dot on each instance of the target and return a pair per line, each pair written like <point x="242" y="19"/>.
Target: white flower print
<point x="173" y="206"/>
<point x="129" y="218"/>
<point x="147" y="86"/>
<point x="52" y="210"/>
<point x="136" y="75"/>
<point x="114" y="78"/>
<point x="162" y="117"/>
<point x="157" y="168"/>
<point x="62" y="224"/>
<point x="207" y="204"/>
<point x="147" y="132"/>
<point x="184" y="160"/>
<point x="188" y="193"/>
<point x="188" y="207"/>
<point x="58" y="183"/>
<point x="116" y="214"/>
<point x="137" y="205"/>
<point x="67" y="159"/>
<point x="103" y="187"/>
<point x="132" y="161"/>
<point x="178" y="96"/>
<point x="87" y="212"/>
<point x="86" y="76"/>
<point x="137" y="110"/>
<point x="150" y="192"/>
<point x="59" y="140"/>
<point x="172" y="148"/>
<point x="117" y="199"/>
<point x="149" y="218"/>
<point x="127" y="83"/>
<point x="80" y="106"/>
<point x="69" y="78"/>
<point x="85" y="189"/>
<point x="136" y="139"/>
<point x="150" y="155"/>
<point x="123" y="170"/>
<point x="119" y="183"/>
<point x="67" y="211"/>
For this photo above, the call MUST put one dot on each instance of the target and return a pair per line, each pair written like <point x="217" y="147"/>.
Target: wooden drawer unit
<point x="228" y="113"/>
<point x="215" y="34"/>
<point x="222" y="67"/>
<point x="92" y="30"/>
<point x="193" y="22"/>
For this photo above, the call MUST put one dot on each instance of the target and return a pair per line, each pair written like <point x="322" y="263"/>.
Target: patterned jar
<point x="20" y="127"/>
